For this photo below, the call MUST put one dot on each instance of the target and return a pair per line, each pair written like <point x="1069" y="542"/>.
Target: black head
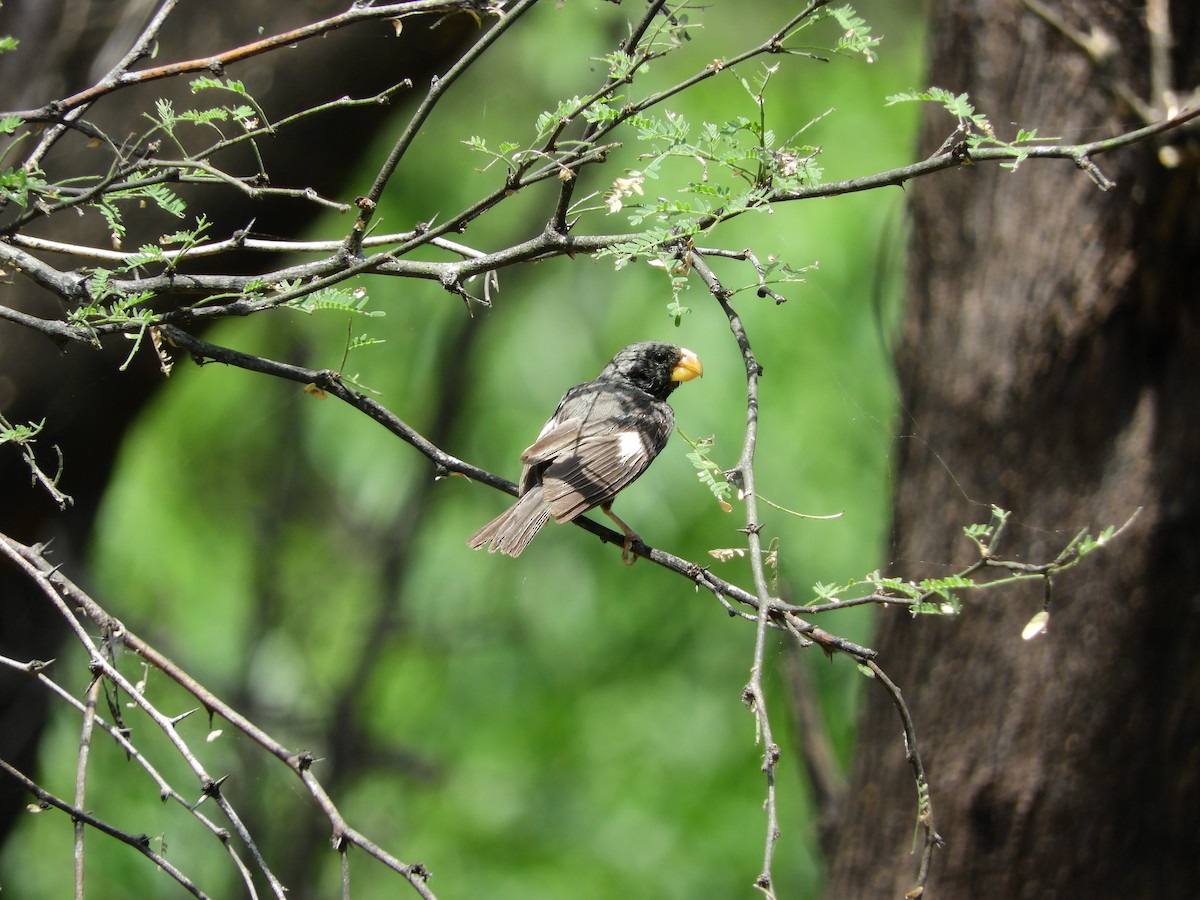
<point x="655" y="367"/>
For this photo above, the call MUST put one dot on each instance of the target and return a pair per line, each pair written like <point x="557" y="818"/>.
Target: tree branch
<point x="139" y="842"/>
<point x="56" y="587"/>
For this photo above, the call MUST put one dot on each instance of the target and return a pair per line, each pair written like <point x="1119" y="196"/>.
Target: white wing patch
<point x="630" y="444"/>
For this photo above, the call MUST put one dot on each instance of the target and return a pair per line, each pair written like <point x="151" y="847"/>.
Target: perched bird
<point x="604" y="434"/>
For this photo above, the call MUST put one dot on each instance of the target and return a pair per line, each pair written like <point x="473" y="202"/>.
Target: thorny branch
<point x="930" y="838"/>
<point x="36" y="669"/>
<point x="752" y="693"/>
<point x="437" y="90"/>
<point x="121" y="76"/>
<point x="139" y="842"/>
<point x="336" y="268"/>
<point x="59" y="589"/>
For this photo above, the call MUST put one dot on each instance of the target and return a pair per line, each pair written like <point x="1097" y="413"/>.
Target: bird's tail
<point x="514" y="528"/>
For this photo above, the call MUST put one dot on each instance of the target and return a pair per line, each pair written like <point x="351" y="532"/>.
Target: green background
<point x="551" y="726"/>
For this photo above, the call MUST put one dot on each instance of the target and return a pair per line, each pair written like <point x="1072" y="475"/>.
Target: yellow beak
<point x="688" y="367"/>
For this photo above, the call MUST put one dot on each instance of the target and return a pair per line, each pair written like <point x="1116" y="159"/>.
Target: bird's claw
<point x="627" y="555"/>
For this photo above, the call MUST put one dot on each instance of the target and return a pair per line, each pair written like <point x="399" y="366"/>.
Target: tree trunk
<point x="1048" y="365"/>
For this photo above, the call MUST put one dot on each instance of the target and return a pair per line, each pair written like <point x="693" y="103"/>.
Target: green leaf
<point x="335" y="298"/>
<point x="19" y="434"/>
<point x="16" y="185"/>
<point x="677" y="311"/>
<point x="204" y="116"/>
<point x="827" y="591"/>
<point x="147" y="253"/>
<point x="708" y="471"/>
<point x="856" y="33"/>
<point x="550" y="120"/>
<point x="205" y="83"/>
<point x="620" y="64"/>
<point x="364" y="340"/>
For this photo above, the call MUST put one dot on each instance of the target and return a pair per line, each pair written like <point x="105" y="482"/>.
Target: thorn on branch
<point x="451" y="282"/>
<point x="183" y="715"/>
<point x="736" y="478"/>
<point x="771" y="758"/>
<point x="765" y="291"/>
<point x="302" y="761"/>
<point x="328" y="378"/>
<point x="1101" y="180"/>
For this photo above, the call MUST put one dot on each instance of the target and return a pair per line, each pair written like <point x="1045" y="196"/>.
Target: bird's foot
<point x="627" y="555"/>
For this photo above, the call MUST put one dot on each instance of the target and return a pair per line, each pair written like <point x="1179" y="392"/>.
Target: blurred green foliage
<point x="552" y="726"/>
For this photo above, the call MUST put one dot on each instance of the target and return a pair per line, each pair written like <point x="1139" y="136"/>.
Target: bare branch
<point x="139" y="842"/>
<point x="55" y="586"/>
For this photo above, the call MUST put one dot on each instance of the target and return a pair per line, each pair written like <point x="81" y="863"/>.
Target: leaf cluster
<point x="974" y="129"/>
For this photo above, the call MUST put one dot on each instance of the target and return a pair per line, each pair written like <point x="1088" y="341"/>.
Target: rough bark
<point x="1048" y="365"/>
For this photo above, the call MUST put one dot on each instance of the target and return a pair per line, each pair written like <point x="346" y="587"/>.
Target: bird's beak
<point x="688" y="366"/>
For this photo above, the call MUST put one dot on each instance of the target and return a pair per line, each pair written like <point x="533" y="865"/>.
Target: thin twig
<point x="51" y="582"/>
<point x="117" y="78"/>
<point x="140" y="48"/>
<point x="81" y="766"/>
<point x="930" y="838"/>
<point x="138" y="842"/>
<point x="56" y="587"/>
<point x="36" y="668"/>
<point x="753" y="692"/>
<point x="435" y="93"/>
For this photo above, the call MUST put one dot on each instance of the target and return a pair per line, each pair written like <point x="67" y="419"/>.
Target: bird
<point x="603" y="435"/>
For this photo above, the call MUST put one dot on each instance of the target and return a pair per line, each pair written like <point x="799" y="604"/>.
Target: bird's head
<point x="657" y="367"/>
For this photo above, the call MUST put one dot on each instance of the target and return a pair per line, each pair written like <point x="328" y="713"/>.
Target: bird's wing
<point x="557" y="438"/>
<point x="602" y="436"/>
<point x="599" y="467"/>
